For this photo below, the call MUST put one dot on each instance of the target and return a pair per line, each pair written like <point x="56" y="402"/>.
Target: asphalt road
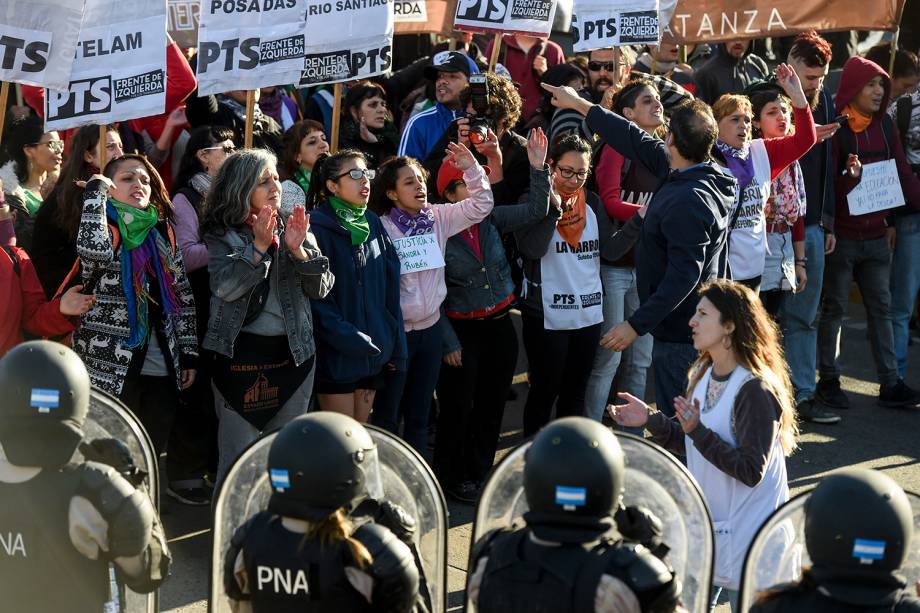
<point x="868" y="436"/>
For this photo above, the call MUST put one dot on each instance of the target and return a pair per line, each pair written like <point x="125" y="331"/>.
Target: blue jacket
<point x="682" y="243"/>
<point x="424" y="130"/>
<point x="358" y="326"/>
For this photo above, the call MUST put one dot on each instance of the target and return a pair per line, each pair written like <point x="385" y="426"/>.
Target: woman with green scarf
<point x="138" y="341"/>
<point x="359" y="325"/>
<point x="304" y="142"/>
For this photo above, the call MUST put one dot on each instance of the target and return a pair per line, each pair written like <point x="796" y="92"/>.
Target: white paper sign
<point x="120" y="67"/>
<point x="248" y="44"/>
<point x="418" y="253"/>
<point x="533" y="17"/>
<point x="598" y="25"/>
<point x="32" y="32"/>
<point x="878" y="189"/>
<point x="347" y="39"/>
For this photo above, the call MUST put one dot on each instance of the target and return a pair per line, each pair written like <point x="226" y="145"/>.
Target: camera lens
<point x="477" y="135"/>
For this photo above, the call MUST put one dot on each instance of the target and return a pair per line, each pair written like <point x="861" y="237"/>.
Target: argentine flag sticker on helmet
<point x="280" y="479"/>
<point x="867" y="551"/>
<point x="44" y="400"/>
<point x="570" y="498"/>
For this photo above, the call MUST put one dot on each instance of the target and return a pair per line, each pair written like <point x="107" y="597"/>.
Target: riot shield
<point x="406" y="480"/>
<point x="108" y="418"/>
<point x="777" y="554"/>
<point x="654" y="479"/>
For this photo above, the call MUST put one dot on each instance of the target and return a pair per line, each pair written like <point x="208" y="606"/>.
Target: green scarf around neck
<point x="352" y="218"/>
<point x="134" y="224"/>
<point x="302" y="177"/>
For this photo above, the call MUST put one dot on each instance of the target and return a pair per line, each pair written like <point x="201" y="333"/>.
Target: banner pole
<point x="4" y="94"/>
<point x="19" y="95"/>
<point x="496" y="48"/>
<point x="683" y="54"/>
<point x="100" y="148"/>
<point x="250" y="111"/>
<point x="336" y="116"/>
<point x="894" y="50"/>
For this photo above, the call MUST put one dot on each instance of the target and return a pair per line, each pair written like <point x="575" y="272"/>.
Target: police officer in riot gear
<point x="70" y="532"/>
<point x="309" y="551"/>
<point x="571" y="555"/>
<point x="856" y="553"/>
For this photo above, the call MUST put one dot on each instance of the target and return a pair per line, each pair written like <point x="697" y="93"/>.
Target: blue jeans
<point x="621" y="299"/>
<point x="799" y="318"/>
<point x="905" y="283"/>
<point x="671" y="363"/>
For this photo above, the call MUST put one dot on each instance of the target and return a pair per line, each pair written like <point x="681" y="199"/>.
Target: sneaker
<point x="898" y="395"/>
<point x="829" y="394"/>
<point x="467" y="491"/>
<point x="807" y="411"/>
<point x="192" y="496"/>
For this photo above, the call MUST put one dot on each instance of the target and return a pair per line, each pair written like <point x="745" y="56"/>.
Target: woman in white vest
<point x="737" y="426"/>
<point x="755" y="163"/>
<point x="562" y="296"/>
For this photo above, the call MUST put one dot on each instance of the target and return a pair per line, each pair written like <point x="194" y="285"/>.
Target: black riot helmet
<point x="319" y="463"/>
<point x="46" y="393"/>
<point x="574" y="468"/>
<point x="858" y="525"/>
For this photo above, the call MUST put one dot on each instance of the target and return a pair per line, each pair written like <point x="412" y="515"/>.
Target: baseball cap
<point x="450" y="61"/>
<point x="448" y="173"/>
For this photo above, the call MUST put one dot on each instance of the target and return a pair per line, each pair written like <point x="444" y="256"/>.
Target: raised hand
<point x="459" y="156"/>
<point x="177" y="118"/>
<point x="789" y="81"/>
<point x="537" y="146"/>
<point x="633" y="414"/>
<point x="295" y="231"/>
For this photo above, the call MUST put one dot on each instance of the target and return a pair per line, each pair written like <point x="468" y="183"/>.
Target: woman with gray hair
<point x="263" y="271"/>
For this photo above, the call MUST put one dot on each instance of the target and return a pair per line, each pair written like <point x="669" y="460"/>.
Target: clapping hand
<point x="688" y="413"/>
<point x="536" y="148"/>
<point x="295" y="231"/>
<point x="263" y="227"/>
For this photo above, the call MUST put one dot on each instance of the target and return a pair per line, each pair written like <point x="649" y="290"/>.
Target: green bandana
<point x="32" y="202"/>
<point x="352" y="219"/>
<point x="302" y="176"/>
<point x="134" y="224"/>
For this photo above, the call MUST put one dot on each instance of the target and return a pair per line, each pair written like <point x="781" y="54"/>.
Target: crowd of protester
<point x="220" y="292"/>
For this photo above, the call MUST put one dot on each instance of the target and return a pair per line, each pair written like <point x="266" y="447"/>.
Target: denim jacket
<point x="234" y="276"/>
<point x="474" y="284"/>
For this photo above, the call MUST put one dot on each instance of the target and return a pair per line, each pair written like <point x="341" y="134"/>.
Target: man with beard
<point x="731" y="68"/>
<point x="664" y="60"/>
<point x="601" y="75"/>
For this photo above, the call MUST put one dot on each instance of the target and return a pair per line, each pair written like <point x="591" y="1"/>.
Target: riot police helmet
<point x="319" y="463"/>
<point x="46" y="400"/>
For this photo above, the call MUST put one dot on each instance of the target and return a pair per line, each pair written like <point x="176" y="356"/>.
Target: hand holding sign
<point x="459" y="156"/>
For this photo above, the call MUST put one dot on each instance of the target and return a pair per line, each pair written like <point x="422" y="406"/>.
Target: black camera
<point x="480" y="124"/>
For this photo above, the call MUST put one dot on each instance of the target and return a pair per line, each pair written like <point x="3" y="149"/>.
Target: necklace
<point x="714" y="390"/>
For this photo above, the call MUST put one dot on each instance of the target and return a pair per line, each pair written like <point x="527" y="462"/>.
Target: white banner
<point x="120" y="69"/>
<point x="597" y="25"/>
<point x="248" y="44"/>
<point x="34" y="31"/>
<point x="533" y="17"/>
<point x="418" y="253"/>
<point x="346" y="40"/>
<point x="878" y="189"/>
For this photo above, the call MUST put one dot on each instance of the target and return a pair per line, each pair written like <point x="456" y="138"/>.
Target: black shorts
<point x="374" y="382"/>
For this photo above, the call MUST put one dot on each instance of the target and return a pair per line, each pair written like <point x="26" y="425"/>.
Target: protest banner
<point x="601" y="25"/>
<point x="533" y="17"/>
<point x="120" y="68"/>
<point x="346" y="40"/>
<point x="879" y="188"/>
<point x="248" y="44"/>
<point x="697" y="21"/>
<point x="34" y="32"/>
<point x="182" y="24"/>
<point x="424" y="16"/>
<point x="417" y="253"/>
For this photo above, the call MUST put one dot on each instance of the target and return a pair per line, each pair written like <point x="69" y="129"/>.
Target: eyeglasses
<point x="357" y="173"/>
<point x="228" y="149"/>
<point x="55" y="146"/>
<point x="596" y="66"/>
<point x="568" y="173"/>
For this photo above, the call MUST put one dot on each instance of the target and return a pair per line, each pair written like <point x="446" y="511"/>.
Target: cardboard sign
<point x="248" y="44"/>
<point x="439" y="16"/>
<point x="534" y="17"/>
<point x="619" y="22"/>
<point x="120" y="67"/>
<point x="410" y="11"/>
<point x="878" y="189"/>
<point x="32" y="32"/>
<point x="182" y="22"/>
<point x="418" y="253"/>
<point x="346" y="40"/>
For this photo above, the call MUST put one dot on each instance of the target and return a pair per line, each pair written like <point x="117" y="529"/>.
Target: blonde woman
<point x="736" y="424"/>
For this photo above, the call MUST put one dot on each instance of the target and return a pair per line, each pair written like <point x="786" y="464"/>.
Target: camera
<point x="480" y="124"/>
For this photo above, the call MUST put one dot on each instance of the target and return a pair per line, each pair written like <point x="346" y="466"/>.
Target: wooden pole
<point x="894" y="51"/>
<point x="336" y="116"/>
<point x="250" y="111"/>
<point x="18" y="95"/>
<point x="4" y="94"/>
<point x="496" y="49"/>
<point x="683" y="54"/>
<point x="100" y="148"/>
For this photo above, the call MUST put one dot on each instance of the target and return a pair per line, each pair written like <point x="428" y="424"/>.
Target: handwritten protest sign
<point x="601" y="25"/>
<point x="534" y="17"/>
<point x="418" y="253"/>
<point x="878" y="189"/>
<point x="120" y="67"/>
<point x="248" y="44"/>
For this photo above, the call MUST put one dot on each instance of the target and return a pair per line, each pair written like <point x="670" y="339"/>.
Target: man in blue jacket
<point x="451" y="75"/>
<point x="683" y="239"/>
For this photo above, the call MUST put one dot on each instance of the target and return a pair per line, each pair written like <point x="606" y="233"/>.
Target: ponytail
<point x="336" y="528"/>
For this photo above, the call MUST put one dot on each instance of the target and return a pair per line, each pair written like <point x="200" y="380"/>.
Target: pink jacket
<point x="421" y="293"/>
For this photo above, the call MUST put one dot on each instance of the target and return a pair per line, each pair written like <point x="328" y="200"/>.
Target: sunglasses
<point x="357" y="173"/>
<point x="228" y="149"/>
<point x="55" y="146"/>
<point x="597" y="66"/>
<point x="568" y="173"/>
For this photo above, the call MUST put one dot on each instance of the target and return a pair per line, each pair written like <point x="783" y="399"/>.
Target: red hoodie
<point x="875" y="144"/>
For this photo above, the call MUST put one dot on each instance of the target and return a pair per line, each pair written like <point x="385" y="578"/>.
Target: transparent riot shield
<point x="406" y="479"/>
<point x="109" y="419"/>
<point x="777" y="554"/>
<point x="654" y="479"/>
